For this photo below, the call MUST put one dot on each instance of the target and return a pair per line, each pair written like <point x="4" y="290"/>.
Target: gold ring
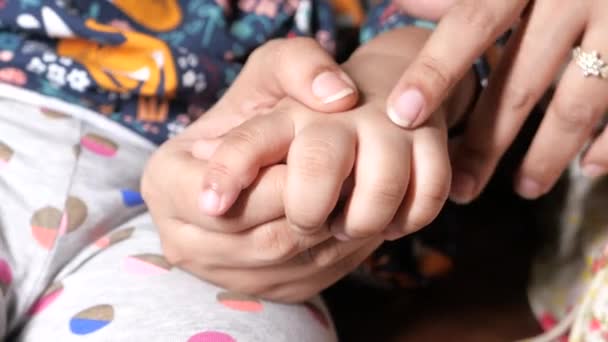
<point x="591" y="63"/>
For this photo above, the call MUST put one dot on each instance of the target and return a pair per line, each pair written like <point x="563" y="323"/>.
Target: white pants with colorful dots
<point x="80" y="259"/>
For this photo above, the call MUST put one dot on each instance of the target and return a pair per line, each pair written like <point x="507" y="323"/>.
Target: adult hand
<point x="534" y="57"/>
<point x="273" y="261"/>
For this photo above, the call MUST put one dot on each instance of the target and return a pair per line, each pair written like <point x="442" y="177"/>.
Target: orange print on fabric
<point x="141" y="61"/>
<point x="152" y="109"/>
<point x="352" y="8"/>
<point x="155" y="15"/>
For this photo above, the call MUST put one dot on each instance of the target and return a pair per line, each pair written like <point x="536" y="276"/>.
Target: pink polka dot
<point x="99" y="145"/>
<point x="6" y="276"/>
<point x="211" y="336"/>
<point x="148" y="265"/>
<point x="240" y="302"/>
<point x="46" y="300"/>
<point x="63" y="225"/>
<point x="103" y="242"/>
<point x="44" y="236"/>
<point x="243" y="306"/>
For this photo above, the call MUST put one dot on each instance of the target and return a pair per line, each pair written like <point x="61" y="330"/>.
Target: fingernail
<point x="210" y="202"/>
<point x="463" y="185"/>
<point x="529" y="188"/>
<point x="406" y="108"/>
<point x="331" y="86"/>
<point x="593" y="170"/>
<point x="339" y="234"/>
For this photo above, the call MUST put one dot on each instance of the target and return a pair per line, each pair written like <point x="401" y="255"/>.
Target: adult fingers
<point x="576" y="108"/>
<point x="259" y="281"/>
<point x="237" y="160"/>
<point x="511" y="94"/>
<point x="175" y="193"/>
<point x="268" y="244"/>
<point x="595" y="161"/>
<point x="308" y="287"/>
<point x="444" y="60"/>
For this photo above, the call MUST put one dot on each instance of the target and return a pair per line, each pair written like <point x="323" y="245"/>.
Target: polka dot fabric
<point x="80" y="256"/>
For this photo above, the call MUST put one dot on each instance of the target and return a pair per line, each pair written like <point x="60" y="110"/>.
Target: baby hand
<point x="400" y="178"/>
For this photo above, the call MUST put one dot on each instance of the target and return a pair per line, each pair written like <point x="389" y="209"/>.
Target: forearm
<point x="381" y="61"/>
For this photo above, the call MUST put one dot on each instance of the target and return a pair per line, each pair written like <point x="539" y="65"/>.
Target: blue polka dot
<point x="83" y="326"/>
<point x="131" y="198"/>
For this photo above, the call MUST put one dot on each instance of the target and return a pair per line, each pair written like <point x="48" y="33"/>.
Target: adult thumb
<point x="296" y="67"/>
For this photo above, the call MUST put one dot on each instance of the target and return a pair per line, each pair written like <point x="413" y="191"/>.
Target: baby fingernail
<point x="463" y="185"/>
<point x="331" y="86"/>
<point x="210" y="202"/>
<point x="406" y="108"/>
<point x="529" y="188"/>
<point x="339" y="233"/>
<point x="593" y="170"/>
<point x="341" y="236"/>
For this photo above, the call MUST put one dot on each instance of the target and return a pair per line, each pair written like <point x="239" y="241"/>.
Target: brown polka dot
<point x="121" y="235"/>
<point x="100" y="312"/>
<point x="5" y="153"/>
<point x="58" y="286"/>
<point x="115" y="237"/>
<point x="76" y="212"/>
<point x="154" y="259"/>
<point x="47" y="217"/>
<point x="51" y="114"/>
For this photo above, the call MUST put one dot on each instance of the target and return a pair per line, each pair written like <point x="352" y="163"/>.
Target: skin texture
<point x="276" y="258"/>
<point x="541" y="46"/>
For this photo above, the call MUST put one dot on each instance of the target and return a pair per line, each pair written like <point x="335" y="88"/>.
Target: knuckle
<point x="243" y="137"/>
<point x="275" y="244"/>
<point x="270" y="46"/>
<point x="478" y="15"/>
<point x="218" y="170"/>
<point x="435" y="73"/>
<point x="574" y="115"/>
<point x="316" y="158"/>
<point x="387" y="190"/>
<point x="519" y="98"/>
<point x="306" y="217"/>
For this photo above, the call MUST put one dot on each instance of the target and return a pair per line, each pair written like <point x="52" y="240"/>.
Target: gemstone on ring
<point x="591" y="63"/>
